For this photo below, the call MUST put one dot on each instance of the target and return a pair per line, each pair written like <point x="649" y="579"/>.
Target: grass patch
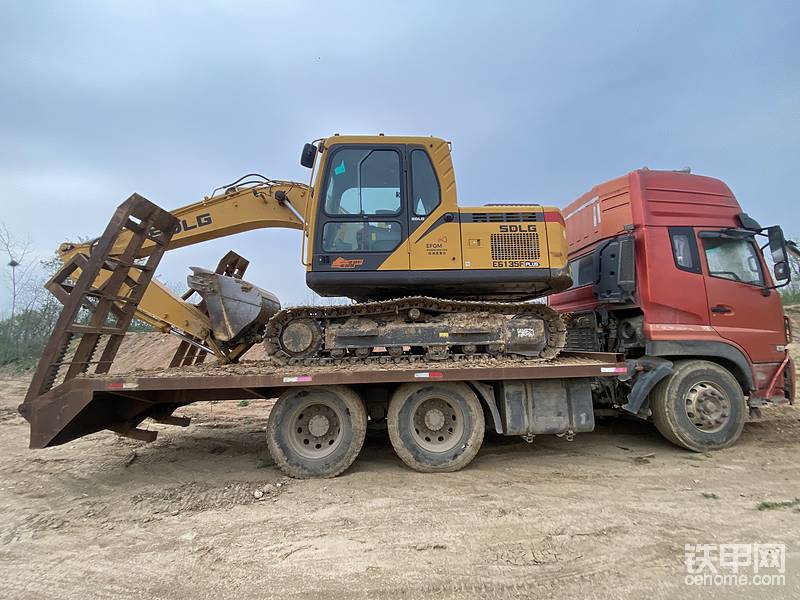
<point x="244" y="402"/>
<point x="770" y="505"/>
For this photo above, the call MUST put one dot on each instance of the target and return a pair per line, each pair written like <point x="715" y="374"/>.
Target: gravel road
<point x="203" y="513"/>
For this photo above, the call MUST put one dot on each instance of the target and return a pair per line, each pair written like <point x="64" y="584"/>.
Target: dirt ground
<point x="604" y="516"/>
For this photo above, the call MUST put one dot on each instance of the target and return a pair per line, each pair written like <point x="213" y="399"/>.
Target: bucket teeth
<point x="236" y="308"/>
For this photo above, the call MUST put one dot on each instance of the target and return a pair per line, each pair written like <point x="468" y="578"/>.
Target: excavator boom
<point x="239" y="208"/>
<point x="253" y="202"/>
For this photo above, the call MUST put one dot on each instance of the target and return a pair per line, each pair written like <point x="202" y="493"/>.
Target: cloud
<point x="542" y="100"/>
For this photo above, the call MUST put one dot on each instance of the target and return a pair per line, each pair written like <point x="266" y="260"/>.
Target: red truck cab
<point x="668" y="270"/>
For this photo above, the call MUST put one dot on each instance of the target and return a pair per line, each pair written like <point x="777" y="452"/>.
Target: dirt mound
<point x="145" y="351"/>
<point x="148" y="351"/>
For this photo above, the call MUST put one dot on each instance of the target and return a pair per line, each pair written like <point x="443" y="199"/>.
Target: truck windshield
<point x="733" y="259"/>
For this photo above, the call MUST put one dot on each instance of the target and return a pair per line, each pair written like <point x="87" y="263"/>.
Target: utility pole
<point x="13" y="264"/>
<point x="11" y="325"/>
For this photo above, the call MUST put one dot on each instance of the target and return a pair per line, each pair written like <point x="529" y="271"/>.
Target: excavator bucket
<point x="235" y="307"/>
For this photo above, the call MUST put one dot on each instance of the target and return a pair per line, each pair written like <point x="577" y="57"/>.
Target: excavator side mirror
<point x="308" y="156"/>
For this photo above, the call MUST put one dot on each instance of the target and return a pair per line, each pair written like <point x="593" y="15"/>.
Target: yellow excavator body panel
<point x="384" y="221"/>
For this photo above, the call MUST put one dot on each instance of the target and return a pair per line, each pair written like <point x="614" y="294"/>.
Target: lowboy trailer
<point x="436" y="417"/>
<point x="435" y="410"/>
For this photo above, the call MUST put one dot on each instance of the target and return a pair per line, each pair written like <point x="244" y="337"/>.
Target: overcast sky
<point x="541" y="100"/>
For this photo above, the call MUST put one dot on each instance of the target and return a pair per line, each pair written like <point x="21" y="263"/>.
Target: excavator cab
<point x="383" y="222"/>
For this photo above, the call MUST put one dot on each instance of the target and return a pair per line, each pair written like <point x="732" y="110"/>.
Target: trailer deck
<point x="87" y="404"/>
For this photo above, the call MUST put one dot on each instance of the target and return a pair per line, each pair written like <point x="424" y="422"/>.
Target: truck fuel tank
<point x="554" y="406"/>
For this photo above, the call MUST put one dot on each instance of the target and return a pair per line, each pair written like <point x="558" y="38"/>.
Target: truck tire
<point x="699" y="407"/>
<point x="435" y="427"/>
<point x="316" y="431"/>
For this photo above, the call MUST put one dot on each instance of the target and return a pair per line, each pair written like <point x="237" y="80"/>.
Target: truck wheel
<point x="316" y="431"/>
<point x="699" y="407"/>
<point x="435" y="427"/>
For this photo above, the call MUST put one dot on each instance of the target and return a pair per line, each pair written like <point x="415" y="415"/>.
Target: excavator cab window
<point x="424" y="184"/>
<point x="367" y="236"/>
<point x="363" y="181"/>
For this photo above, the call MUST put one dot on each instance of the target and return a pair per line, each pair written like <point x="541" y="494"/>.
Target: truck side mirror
<point x="777" y="248"/>
<point x="308" y="156"/>
<point x="781" y="271"/>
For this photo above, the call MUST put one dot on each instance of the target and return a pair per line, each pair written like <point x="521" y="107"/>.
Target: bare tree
<point x="17" y="252"/>
<point x="33" y="309"/>
<point x="791" y="292"/>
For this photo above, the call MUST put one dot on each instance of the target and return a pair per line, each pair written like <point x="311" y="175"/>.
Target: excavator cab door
<point x="438" y="245"/>
<point x="362" y="221"/>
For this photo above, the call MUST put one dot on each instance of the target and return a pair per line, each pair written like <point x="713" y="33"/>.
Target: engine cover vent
<point x="512" y="217"/>
<point x="515" y="246"/>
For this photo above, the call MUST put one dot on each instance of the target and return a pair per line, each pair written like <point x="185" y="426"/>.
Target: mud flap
<point x="646" y="373"/>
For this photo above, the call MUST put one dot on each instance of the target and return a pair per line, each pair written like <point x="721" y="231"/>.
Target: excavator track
<point x="310" y="330"/>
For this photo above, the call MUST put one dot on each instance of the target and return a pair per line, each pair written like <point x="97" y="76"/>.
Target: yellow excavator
<point x="380" y="225"/>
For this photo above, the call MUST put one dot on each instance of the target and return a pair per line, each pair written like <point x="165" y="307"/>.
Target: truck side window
<point x="684" y="249"/>
<point x="424" y="185"/>
<point x="733" y="259"/>
<point x="363" y="182"/>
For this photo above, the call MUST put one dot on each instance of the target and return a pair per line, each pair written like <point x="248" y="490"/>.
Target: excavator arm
<point x="253" y="202"/>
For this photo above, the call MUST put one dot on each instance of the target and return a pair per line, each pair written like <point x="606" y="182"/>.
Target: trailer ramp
<point x="99" y="293"/>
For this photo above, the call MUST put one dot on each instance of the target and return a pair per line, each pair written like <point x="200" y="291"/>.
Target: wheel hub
<point x="314" y="429"/>
<point x="437" y="425"/>
<point x="319" y="425"/>
<point x="434" y="419"/>
<point x="707" y="407"/>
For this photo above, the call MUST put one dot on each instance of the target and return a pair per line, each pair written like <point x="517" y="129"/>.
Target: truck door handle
<point x="719" y="309"/>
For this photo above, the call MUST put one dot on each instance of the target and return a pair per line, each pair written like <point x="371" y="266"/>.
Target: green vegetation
<point x="244" y="402"/>
<point x="23" y="336"/>
<point x="790" y="297"/>
<point x="32" y="315"/>
<point x="770" y="505"/>
<point x="28" y="319"/>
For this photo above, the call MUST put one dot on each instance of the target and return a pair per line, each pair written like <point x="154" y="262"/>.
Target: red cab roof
<point x="645" y="198"/>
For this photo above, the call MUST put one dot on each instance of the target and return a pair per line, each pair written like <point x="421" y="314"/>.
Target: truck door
<point x="740" y="308"/>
